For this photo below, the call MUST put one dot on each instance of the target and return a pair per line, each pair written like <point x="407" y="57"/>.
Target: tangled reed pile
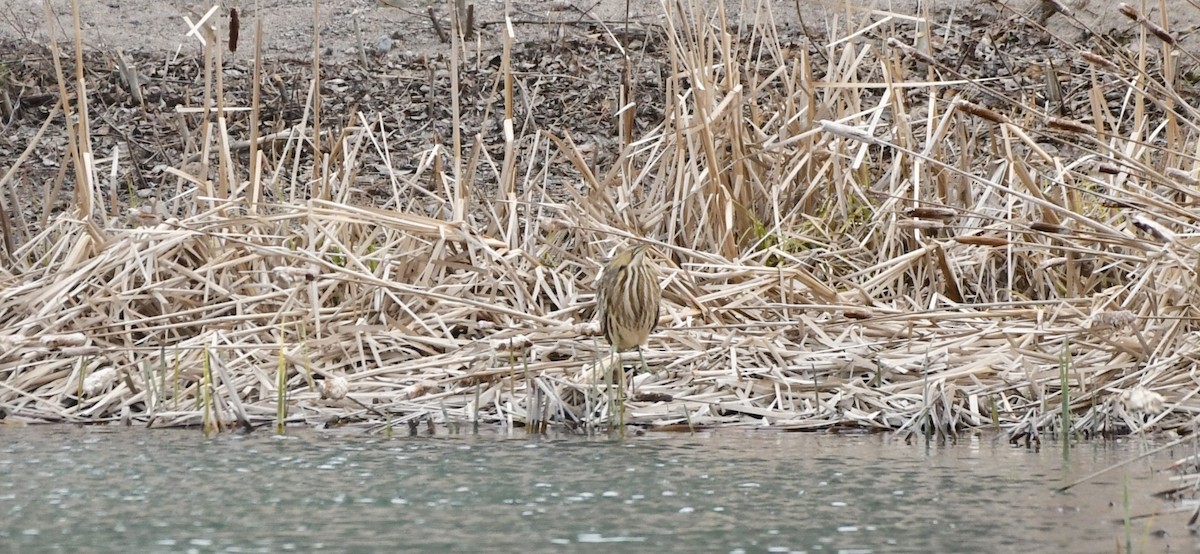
<point x="872" y="230"/>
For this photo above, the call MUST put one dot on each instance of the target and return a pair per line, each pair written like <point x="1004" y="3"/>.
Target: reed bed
<point x="893" y="226"/>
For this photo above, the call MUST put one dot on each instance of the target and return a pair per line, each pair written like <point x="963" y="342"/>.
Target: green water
<point x="66" y="489"/>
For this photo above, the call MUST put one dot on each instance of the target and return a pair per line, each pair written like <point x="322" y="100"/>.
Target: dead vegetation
<point x="916" y="224"/>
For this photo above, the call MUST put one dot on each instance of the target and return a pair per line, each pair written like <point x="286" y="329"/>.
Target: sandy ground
<point x="159" y="25"/>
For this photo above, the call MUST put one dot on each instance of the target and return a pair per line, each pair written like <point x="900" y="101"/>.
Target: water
<point x="66" y="489"/>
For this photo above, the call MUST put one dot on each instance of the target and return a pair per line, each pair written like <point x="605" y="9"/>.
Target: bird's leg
<point x="645" y="367"/>
<point x="620" y="392"/>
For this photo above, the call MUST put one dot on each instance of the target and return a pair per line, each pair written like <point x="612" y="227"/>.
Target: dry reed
<point x="869" y="238"/>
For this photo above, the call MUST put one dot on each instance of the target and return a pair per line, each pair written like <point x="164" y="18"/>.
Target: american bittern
<point x="628" y="300"/>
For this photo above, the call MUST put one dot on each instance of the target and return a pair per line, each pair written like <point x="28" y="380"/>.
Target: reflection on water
<point x="113" y="489"/>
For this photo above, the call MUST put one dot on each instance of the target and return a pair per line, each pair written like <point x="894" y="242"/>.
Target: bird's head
<point x="633" y="255"/>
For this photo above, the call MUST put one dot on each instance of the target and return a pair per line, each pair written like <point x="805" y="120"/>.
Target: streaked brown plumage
<point x="628" y="299"/>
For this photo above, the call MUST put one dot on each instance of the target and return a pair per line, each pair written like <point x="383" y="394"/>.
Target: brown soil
<point x="569" y="56"/>
<point x="572" y="87"/>
<point x="159" y="26"/>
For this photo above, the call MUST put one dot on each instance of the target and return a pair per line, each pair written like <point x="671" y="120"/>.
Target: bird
<point x="629" y="295"/>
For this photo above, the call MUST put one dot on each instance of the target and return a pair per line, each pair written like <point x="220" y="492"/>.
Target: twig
<point x="437" y="27"/>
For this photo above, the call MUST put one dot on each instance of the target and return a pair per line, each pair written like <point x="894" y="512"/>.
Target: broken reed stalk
<point x="506" y="208"/>
<point x="209" y="423"/>
<point x="459" y="202"/>
<point x="85" y="180"/>
<point x="255" y="173"/>
<point x="281" y="410"/>
<point x="318" y="177"/>
<point x="76" y="135"/>
<point x="1064" y="390"/>
<point x="14" y="224"/>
